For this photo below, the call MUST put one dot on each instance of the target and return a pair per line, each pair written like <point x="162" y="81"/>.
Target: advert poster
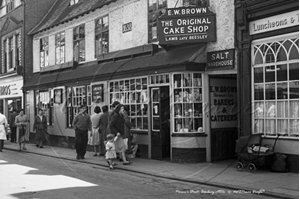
<point x="186" y="25"/>
<point x="223" y="103"/>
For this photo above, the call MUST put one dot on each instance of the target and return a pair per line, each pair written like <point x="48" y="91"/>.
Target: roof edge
<point x="31" y="32"/>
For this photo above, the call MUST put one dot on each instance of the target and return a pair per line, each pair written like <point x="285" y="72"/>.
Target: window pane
<point x="282" y="126"/>
<point x="281" y="72"/>
<point x="270" y="74"/>
<point x="294" y="127"/>
<point x="270" y="127"/>
<point x="259" y="92"/>
<point x="294" y="54"/>
<point x="294" y="109"/>
<point x="258" y="75"/>
<point x="282" y="109"/>
<point x="259" y="109"/>
<point x="294" y="71"/>
<point x="258" y="126"/>
<point x="282" y="90"/>
<point x="271" y="109"/>
<point x="270" y="91"/>
<point x="294" y="90"/>
<point x="281" y="56"/>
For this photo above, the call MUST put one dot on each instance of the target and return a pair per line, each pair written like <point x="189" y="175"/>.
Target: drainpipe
<point x="23" y="54"/>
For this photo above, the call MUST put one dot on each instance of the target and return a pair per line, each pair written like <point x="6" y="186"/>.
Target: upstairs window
<point x="72" y="2"/>
<point x="4" y="56"/>
<point x="44" y="52"/>
<point x="18" y="49"/>
<point x="188" y="3"/>
<point x="10" y="5"/>
<point x="156" y="9"/>
<point x="60" y="48"/>
<point x="79" y="43"/>
<point x="101" y="36"/>
<point x="10" y="54"/>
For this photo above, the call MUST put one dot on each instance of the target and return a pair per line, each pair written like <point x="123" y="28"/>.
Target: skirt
<point x="111" y="154"/>
<point x="94" y="137"/>
<point x="120" y="145"/>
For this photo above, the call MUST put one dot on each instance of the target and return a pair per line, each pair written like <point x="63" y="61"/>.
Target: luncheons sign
<point x="187" y="25"/>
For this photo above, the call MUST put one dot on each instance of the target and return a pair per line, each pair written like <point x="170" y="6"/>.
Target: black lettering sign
<point x="5" y="90"/>
<point x="97" y="93"/>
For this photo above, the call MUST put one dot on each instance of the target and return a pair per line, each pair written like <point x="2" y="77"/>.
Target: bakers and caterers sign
<point x="187" y="25"/>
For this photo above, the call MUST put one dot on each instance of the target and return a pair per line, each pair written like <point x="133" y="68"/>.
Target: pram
<point x="251" y="154"/>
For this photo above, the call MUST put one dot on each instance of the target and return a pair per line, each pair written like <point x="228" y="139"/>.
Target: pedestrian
<point x="3" y="126"/>
<point x="94" y="139"/>
<point x="21" y="122"/>
<point x="12" y="125"/>
<point x="110" y="154"/>
<point x="127" y="127"/>
<point x="81" y="124"/>
<point x="103" y="128"/>
<point x="116" y="126"/>
<point x="40" y="128"/>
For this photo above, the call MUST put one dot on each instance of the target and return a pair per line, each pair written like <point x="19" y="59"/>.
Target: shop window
<point x="44" y="101"/>
<point x="101" y="36"/>
<point x="44" y="52"/>
<point x="155" y="9"/>
<point x="195" y="3"/>
<point x="187" y="100"/>
<point x="79" y="43"/>
<point x="60" y="48"/>
<point x="134" y="95"/>
<point x="76" y="97"/>
<point x="276" y="86"/>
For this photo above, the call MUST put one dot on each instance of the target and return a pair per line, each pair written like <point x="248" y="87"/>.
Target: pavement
<point x="221" y="174"/>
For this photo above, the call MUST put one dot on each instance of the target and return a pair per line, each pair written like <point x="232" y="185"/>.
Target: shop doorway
<point x="223" y="116"/>
<point x="14" y="103"/>
<point x="160" y="122"/>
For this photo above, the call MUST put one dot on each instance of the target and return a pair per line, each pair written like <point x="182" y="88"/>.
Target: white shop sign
<point x="274" y="23"/>
<point x="12" y="89"/>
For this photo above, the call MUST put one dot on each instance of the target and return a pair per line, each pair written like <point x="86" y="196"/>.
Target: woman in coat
<point x="3" y="125"/>
<point x="22" y="131"/>
<point x="40" y="126"/>
<point x="116" y="126"/>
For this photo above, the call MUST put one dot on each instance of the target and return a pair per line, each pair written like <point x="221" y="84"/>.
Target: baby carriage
<point x="251" y="154"/>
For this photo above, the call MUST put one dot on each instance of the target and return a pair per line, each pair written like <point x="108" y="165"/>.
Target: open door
<point x="160" y="122"/>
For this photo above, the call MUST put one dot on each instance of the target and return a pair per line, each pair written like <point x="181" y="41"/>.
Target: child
<point x="110" y="150"/>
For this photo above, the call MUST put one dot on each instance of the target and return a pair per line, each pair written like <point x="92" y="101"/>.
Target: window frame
<point x="60" y="46"/>
<point x="72" y="106"/>
<point x="125" y="89"/>
<point x="78" y="42"/>
<point x="44" y="49"/>
<point x="100" y="32"/>
<point x="273" y="120"/>
<point x="10" y="54"/>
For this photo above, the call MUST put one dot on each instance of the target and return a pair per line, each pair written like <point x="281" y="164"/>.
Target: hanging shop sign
<point x="186" y="25"/>
<point x="97" y="93"/>
<point x="274" y="23"/>
<point x="220" y="59"/>
<point x="11" y="89"/>
<point x="223" y="103"/>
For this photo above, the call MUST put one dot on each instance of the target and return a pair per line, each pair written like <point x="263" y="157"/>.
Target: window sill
<point x="189" y="135"/>
<point x="72" y="64"/>
<point x="280" y="137"/>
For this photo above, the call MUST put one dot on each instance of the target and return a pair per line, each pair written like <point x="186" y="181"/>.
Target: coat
<point x="3" y="125"/>
<point x="116" y="124"/>
<point x="38" y="124"/>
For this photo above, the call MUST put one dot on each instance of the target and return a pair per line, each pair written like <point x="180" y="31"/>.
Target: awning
<point x="191" y="58"/>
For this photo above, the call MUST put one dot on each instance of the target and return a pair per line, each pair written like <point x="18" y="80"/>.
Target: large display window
<point x="187" y="100"/>
<point x="276" y="85"/>
<point x="133" y="94"/>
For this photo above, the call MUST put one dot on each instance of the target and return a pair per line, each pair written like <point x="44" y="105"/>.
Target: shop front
<point x="273" y="76"/>
<point x="11" y="96"/>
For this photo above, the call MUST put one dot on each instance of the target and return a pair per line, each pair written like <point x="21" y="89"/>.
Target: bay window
<point x="276" y="85"/>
